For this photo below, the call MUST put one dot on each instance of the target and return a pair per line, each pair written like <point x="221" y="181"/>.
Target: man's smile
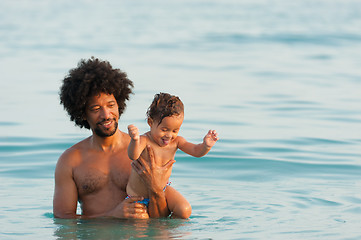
<point x="106" y="123"/>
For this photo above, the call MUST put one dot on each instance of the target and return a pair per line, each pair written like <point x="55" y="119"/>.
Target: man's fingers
<point x="151" y="155"/>
<point x="135" y="206"/>
<point x="140" y="215"/>
<point x="169" y="164"/>
<point x="141" y="161"/>
<point x="140" y="166"/>
<point x="136" y="166"/>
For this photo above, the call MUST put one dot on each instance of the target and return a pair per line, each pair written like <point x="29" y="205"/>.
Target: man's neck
<point x="106" y="144"/>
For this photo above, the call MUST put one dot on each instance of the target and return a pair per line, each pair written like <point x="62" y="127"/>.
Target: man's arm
<point x="66" y="197"/>
<point x="153" y="176"/>
<point x="65" y="192"/>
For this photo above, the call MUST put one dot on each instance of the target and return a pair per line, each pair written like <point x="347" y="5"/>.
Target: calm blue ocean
<point x="279" y="80"/>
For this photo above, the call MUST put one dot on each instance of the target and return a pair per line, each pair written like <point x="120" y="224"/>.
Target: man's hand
<point x="129" y="208"/>
<point x="154" y="177"/>
<point x="133" y="132"/>
<point x="152" y="173"/>
<point x="210" y="139"/>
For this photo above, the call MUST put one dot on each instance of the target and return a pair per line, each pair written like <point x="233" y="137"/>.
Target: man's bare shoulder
<point x="72" y="155"/>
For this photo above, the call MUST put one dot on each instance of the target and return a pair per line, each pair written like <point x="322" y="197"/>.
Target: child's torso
<point x="162" y="155"/>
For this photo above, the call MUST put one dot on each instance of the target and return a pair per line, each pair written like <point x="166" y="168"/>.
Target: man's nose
<point x="105" y="113"/>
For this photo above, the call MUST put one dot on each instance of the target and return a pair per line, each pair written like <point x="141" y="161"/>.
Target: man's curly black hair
<point x="90" y="78"/>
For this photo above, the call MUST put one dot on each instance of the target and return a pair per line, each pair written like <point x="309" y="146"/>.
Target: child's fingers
<point x="132" y="129"/>
<point x="214" y="134"/>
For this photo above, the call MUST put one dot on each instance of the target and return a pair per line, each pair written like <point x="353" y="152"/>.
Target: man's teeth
<point x="106" y="123"/>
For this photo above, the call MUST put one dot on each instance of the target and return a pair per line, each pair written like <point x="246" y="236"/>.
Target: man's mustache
<point x="105" y="120"/>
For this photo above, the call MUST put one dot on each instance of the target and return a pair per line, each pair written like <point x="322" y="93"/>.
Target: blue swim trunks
<point x="145" y="201"/>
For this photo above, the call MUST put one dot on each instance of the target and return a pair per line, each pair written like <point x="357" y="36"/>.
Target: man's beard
<point x="101" y="133"/>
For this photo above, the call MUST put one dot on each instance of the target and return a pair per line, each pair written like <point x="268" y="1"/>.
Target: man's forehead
<point x="101" y="98"/>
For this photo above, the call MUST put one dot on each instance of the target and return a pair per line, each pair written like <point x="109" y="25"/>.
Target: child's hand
<point x="211" y="138"/>
<point x="133" y="132"/>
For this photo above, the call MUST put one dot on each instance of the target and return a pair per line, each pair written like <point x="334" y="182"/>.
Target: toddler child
<point x="165" y="117"/>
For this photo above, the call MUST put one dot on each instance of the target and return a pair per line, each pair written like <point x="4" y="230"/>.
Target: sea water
<point x="279" y="80"/>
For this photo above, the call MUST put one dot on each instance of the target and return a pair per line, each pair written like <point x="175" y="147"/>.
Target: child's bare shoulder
<point x="144" y="138"/>
<point x="180" y="140"/>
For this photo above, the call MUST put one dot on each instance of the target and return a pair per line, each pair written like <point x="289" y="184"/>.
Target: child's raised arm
<point x="137" y="144"/>
<point x="198" y="150"/>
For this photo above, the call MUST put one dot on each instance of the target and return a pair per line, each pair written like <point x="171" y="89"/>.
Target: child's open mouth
<point x="165" y="141"/>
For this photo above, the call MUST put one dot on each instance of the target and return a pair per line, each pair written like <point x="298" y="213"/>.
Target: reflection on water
<point x="119" y="229"/>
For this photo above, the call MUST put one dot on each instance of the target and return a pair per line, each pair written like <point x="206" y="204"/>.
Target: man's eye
<point x="94" y="109"/>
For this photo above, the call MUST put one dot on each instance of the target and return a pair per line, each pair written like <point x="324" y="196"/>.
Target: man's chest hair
<point x="91" y="180"/>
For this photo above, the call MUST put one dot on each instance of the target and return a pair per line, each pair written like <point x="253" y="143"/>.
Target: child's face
<point x="164" y="133"/>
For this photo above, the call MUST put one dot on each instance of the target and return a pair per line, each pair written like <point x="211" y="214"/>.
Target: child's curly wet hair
<point x="165" y="105"/>
<point x="90" y="78"/>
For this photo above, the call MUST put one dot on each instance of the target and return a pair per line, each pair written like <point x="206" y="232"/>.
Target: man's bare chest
<point x="93" y="176"/>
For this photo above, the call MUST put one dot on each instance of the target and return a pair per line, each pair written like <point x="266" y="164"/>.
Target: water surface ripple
<point x="279" y="80"/>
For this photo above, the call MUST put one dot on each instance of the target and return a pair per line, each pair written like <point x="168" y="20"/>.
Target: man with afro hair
<point x="95" y="171"/>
